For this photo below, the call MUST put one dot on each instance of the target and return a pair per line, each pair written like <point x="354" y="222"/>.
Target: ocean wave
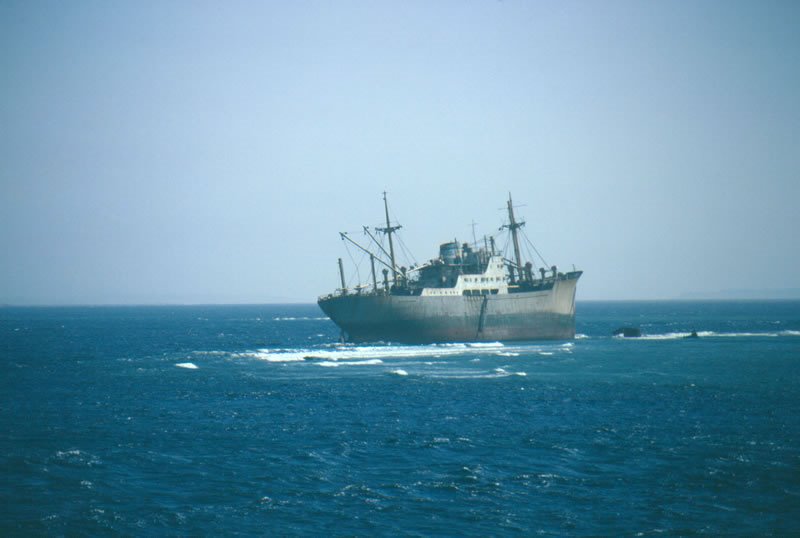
<point x="503" y="372"/>
<point x="495" y="374"/>
<point x="276" y="355"/>
<point x="335" y="364"/>
<point x="741" y="335"/>
<point x="664" y="336"/>
<point x="711" y="334"/>
<point x="187" y="365"/>
<point x="77" y="458"/>
<point x="302" y="318"/>
<point x="344" y="352"/>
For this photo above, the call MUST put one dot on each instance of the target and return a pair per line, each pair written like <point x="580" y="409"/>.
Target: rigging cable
<point x="536" y="251"/>
<point x="406" y="251"/>
<point x="506" y="245"/>
<point x="356" y="265"/>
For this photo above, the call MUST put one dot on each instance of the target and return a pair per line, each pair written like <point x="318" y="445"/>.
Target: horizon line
<point x="303" y="303"/>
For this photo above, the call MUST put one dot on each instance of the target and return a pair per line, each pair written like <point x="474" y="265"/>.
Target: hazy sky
<point x="209" y="152"/>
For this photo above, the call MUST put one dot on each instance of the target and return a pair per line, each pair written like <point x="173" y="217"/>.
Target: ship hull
<point x="535" y="315"/>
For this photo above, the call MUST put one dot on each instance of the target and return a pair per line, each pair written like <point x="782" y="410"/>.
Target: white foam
<point x="335" y="364"/>
<point x="502" y="372"/>
<point x="276" y="355"/>
<point x="289" y="318"/>
<point x="746" y="335"/>
<point x="666" y="336"/>
<point x="349" y="352"/>
<point x="337" y="352"/>
<point x="487" y="375"/>
<point x="710" y="334"/>
<point x="581" y="336"/>
<point x="188" y="365"/>
<point x="399" y="371"/>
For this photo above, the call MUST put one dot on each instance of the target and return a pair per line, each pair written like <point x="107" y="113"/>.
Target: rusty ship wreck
<point x="469" y="293"/>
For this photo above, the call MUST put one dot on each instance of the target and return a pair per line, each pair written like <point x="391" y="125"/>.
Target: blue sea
<point x="254" y="420"/>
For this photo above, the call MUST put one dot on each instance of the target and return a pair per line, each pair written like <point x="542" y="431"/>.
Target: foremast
<point x="388" y="230"/>
<point x="513" y="226"/>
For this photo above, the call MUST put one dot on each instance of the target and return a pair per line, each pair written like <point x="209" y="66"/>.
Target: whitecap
<point x="707" y="334"/>
<point x="277" y="355"/>
<point x="343" y="352"/>
<point x="334" y="364"/>
<point x="665" y="336"/>
<point x="350" y="352"/>
<point x="485" y="344"/>
<point x="399" y="372"/>
<point x="188" y="365"/>
<point x="302" y="318"/>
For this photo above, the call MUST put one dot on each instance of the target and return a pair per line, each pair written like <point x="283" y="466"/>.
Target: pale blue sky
<point x="197" y="152"/>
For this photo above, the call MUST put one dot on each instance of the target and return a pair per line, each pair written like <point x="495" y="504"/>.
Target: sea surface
<point x="253" y="420"/>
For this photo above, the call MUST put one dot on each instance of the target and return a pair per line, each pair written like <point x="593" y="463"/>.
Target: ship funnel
<point x="449" y="252"/>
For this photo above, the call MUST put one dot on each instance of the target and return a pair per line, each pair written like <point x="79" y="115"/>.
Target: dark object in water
<point x="693" y="335"/>
<point x="628" y="332"/>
